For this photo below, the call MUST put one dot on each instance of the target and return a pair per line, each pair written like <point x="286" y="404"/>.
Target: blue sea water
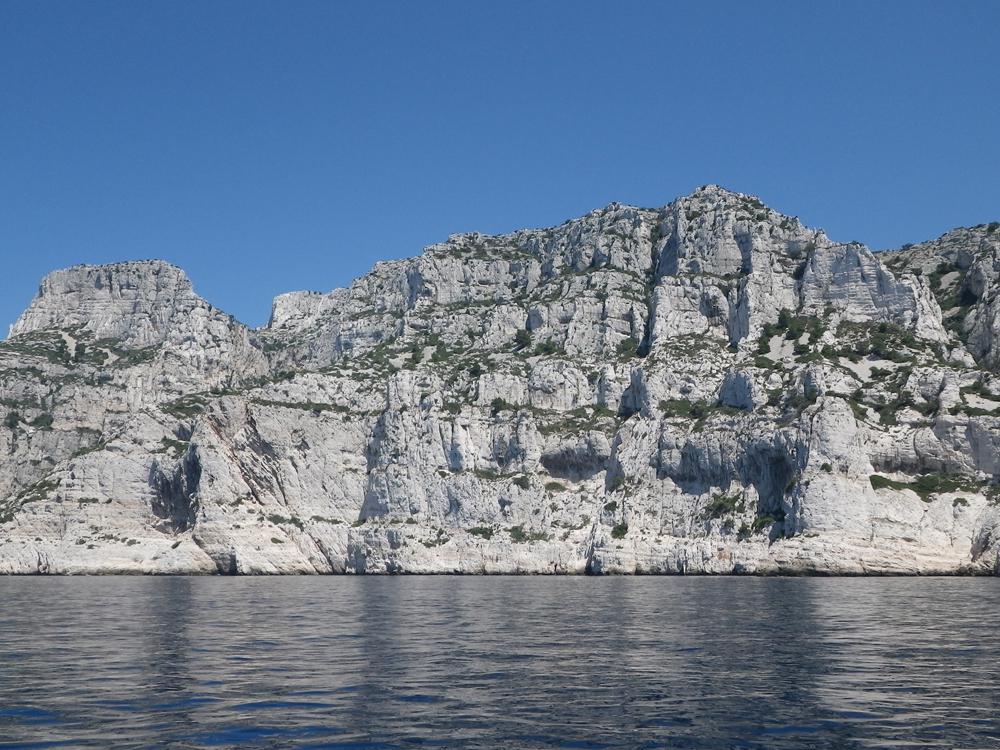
<point x="499" y="662"/>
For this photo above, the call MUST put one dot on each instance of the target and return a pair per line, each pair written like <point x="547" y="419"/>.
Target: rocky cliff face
<point x="705" y="387"/>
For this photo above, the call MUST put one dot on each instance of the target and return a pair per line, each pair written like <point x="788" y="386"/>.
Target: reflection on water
<point x="355" y="662"/>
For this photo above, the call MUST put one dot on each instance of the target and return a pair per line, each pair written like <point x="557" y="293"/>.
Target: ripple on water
<point x="499" y="663"/>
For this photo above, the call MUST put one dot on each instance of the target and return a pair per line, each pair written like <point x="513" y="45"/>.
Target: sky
<point x="272" y="146"/>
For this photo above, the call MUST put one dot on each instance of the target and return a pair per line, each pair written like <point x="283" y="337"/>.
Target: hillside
<point x="705" y="387"/>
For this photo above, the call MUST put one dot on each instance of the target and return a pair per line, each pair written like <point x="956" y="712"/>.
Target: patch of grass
<point x="48" y="345"/>
<point x="554" y="486"/>
<point x="626" y="349"/>
<point x="499" y="405"/>
<point x="577" y="421"/>
<point x="186" y="407"/>
<point x="174" y="447"/>
<point x="548" y="348"/>
<point x="314" y="407"/>
<point x="42" y="421"/>
<point x="676" y="407"/>
<point x="520" y="536"/>
<point x="768" y="519"/>
<point x="98" y="446"/>
<point x="765" y="363"/>
<point x="860" y="412"/>
<point x="972" y="411"/>
<point x="279" y="520"/>
<point x="724" y="505"/>
<point x="484" y="532"/>
<point x="882" y="340"/>
<point x="925" y="485"/>
<point x="134" y="357"/>
<point x="439" y="539"/>
<point x="40" y="490"/>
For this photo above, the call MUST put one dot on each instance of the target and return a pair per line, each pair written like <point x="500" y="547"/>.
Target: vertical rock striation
<point x="705" y="387"/>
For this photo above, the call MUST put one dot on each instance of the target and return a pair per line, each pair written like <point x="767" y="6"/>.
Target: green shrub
<point x="498" y="405"/>
<point x="768" y="519"/>
<point x="42" y="421"/>
<point x="174" y="447"/>
<point x="522" y="339"/>
<point x="522" y="482"/>
<point x="519" y="535"/>
<point x="278" y="520"/>
<point x="792" y="325"/>
<point x="484" y="532"/>
<point x="184" y="408"/>
<point x="441" y="353"/>
<point x="11" y="420"/>
<point x="676" y="407"/>
<point x="627" y="348"/>
<point x="619" y="530"/>
<point x="548" y="348"/>
<point x="555" y="486"/>
<point x="611" y="507"/>
<point x="765" y="363"/>
<point x="925" y="485"/>
<point x="879" y="482"/>
<point x="723" y="505"/>
<point x="764" y="342"/>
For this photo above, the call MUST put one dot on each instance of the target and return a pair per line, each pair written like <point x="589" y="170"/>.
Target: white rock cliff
<point x="709" y="387"/>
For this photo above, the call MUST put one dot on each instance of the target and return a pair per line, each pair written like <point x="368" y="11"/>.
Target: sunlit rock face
<point x="707" y="387"/>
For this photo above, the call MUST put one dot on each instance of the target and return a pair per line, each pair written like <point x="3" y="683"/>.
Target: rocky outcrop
<point x="705" y="387"/>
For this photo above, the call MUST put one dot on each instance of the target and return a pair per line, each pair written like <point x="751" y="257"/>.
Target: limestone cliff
<point x="705" y="387"/>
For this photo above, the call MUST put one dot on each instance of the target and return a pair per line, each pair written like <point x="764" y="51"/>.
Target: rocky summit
<point x="707" y="387"/>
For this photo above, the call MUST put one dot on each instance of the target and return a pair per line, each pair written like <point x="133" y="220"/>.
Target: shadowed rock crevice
<point x="175" y="493"/>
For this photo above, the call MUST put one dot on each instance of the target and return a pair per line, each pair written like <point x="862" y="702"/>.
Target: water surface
<point x="469" y="662"/>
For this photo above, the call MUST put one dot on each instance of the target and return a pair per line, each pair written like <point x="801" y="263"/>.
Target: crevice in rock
<point x="175" y="492"/>
<point x="652" y="277"/>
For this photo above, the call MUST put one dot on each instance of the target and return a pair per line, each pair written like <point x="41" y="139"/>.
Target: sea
<point x="372" y="662"/>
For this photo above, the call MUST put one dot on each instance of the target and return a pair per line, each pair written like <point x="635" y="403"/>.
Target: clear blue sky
<point x="273" y="146"/>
